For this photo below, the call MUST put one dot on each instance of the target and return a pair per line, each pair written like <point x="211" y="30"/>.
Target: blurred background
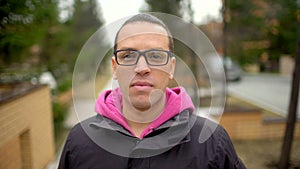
<point x="256" y="39"/>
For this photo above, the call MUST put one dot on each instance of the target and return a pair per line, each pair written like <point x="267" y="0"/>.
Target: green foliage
<point x="167" y="6"/>
<point x="283" y="33"/>
<point x="59" y="112"/>
<point x="25" y="24"/>
<point x="64" y="84"/>
<point x="22" y="24"/>
<point x="252" y="22"/>
<point x="33" y="40"/>
<point x="246" y="24"/>
<point x="81" y="26"/>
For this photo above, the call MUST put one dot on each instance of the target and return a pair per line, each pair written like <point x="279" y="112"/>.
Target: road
<point x="269" y="91"/>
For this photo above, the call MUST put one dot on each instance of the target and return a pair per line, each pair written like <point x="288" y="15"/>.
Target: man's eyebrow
<point x="129" y="48"/>
<point x="126" y="48"/>
<point x="158" y="48"/>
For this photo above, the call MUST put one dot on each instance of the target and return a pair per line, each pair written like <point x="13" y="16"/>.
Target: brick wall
<point x="26" y="129"/>
<point x="251" y="125"/>
<point x="243" y="125"/>
<point x="10" y="154"/>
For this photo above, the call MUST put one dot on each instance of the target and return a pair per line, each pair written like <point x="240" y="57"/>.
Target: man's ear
<point x="114" y="66"/>
<point x="172" y="71"/>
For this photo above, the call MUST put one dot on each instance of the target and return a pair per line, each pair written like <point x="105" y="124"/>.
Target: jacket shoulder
<point x="77" y="131"/>
<point x="209" y="135"/>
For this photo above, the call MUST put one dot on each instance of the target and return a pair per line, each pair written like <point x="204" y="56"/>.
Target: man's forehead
<point x="141" y="28"/>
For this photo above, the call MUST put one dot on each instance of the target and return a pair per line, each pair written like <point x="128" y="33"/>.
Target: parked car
<point x="233" y="71"/>
<point x="218" y="65"/>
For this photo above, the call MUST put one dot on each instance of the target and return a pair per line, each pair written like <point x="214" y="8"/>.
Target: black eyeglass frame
<point x="142" y="53"/>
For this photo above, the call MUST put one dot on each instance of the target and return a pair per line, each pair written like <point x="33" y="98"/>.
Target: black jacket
<point x="184" y="142"/>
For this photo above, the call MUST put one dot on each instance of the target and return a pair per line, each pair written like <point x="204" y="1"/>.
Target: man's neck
<point x="139" y="120"/>
<point x="137" y="128"/>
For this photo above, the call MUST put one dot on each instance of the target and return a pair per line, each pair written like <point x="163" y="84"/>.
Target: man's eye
<point x="128" y="56"/>
<point x="155" y="56"/>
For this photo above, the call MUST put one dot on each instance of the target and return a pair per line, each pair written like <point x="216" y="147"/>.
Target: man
<point x="143" y="123"/>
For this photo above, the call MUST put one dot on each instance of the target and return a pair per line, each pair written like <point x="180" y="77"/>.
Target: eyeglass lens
<point x="153" y="57"/>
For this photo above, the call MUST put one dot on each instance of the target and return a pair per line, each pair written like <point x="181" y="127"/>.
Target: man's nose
<point x="141" y="66"/>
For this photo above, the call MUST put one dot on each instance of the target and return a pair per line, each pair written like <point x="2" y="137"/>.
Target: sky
<point x="113" y="10"/>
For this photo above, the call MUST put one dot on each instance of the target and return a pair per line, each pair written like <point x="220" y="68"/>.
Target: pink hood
<point x="109" y="105"/>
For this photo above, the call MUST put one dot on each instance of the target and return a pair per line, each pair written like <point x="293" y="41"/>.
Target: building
<point x="26" y="127"/>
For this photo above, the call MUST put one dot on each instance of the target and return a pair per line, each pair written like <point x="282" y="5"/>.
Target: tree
<point x="31" y="32"/>
<point x="245" y="29"/>
<point x="85" y="21"/>
<point x="172" y="7"/>
<point x="282" y="28"/>
<point x="257" y="26"/>
<point x="292" y="112"/>
<point x="22" y="24"/>
<point x="13" y="18"/>
<point x="67" y="39"/>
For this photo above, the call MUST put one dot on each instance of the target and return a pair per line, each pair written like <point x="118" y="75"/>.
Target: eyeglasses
<point x="153" y="57"/>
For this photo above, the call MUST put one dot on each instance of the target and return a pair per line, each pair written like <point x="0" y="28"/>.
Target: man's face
<point x="143" y="85"/>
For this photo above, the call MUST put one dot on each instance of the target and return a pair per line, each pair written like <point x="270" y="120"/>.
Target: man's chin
<point x="141" y="105"/>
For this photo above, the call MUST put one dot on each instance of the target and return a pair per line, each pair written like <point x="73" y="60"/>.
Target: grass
<point x="60" y="136"/>
<point x="264" y="154"/>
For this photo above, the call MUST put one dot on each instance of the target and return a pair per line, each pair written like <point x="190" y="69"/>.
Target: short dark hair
<point x="144" y="17"/>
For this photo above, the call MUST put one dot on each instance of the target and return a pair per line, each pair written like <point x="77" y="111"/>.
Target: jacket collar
<point x="110" y="135"/>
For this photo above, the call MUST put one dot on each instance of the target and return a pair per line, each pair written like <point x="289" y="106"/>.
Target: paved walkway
<point x="83" y="104"/>
<point x="269" y="91"/>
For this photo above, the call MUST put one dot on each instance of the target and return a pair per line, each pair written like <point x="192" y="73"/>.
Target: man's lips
<point x="141" y="84"/>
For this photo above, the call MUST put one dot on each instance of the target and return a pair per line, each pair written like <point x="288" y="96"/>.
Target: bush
<point x="59" y="112"/>
<point x="64" y="85"/>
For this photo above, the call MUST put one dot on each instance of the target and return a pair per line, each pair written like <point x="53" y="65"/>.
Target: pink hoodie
<point x="109" y="105"/>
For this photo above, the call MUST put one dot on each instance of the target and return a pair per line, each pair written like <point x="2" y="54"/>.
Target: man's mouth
<point x="142" y="85"/>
